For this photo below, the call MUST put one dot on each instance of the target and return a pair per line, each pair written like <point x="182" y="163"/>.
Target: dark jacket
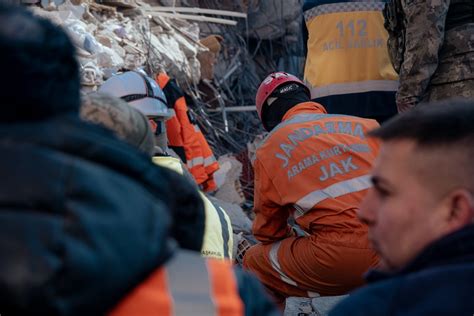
<point x="256" y="300"/>
<point x="84" y="217"/>
<point x="438" y="282"/>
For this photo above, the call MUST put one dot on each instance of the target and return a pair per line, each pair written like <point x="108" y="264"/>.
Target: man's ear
<point x="461" y="206"/>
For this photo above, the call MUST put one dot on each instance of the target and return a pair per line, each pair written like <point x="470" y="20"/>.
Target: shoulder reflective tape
<point x="298" y="211"/>
<point x="209" y="161"/>
<point x="188" y="282"/>
<point x="225" y="231"/>
<point x="276" y="264"/>
<point x="333" y="191"/>
<point x="224" y="227"/>
<point x="195" y="162"/>
<point x="354" y="87"/>
<point x="343" y="7"/>
<point x="300" y="118"/>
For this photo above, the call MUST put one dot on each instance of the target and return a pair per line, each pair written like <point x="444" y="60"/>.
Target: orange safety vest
<point x="315" y="167"/>
<point x="181" y="133"/>
<point x="187" y="285"/>
<point x="347" y="49"/>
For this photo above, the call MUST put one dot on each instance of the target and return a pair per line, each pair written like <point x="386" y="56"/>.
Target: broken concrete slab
<point x="307" y="306"/>
<point x="228" y="180"/>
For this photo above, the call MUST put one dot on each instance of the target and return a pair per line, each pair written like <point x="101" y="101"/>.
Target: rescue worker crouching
<point x="142" y="93"/>
<point x="315" y="167"/>
<point x="214" y="286"/>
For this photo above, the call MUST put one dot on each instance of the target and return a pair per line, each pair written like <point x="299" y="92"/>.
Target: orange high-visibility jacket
<point x="186" y="285"/>
<point x="181" y="132"/>
<point x="314" y="166"/>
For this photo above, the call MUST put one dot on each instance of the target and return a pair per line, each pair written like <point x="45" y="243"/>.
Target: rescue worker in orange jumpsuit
<point x="313" y="167"/>
<point x="185" y="137"/>
<point x="143" y="93"/>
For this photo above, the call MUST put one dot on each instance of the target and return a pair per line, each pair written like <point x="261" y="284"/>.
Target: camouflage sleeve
<point x="424" y="37"/>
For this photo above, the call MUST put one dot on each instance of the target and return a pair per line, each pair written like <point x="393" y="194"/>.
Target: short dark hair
<point x="435" y="124"/>
<point x="446" y="128"/>
<point x="40" y="74"/>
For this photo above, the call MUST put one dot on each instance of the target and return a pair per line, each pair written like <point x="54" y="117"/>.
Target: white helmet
<point x="139" y="91"/>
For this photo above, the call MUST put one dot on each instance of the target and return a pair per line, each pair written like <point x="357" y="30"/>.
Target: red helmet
<point x="272" y="82"/>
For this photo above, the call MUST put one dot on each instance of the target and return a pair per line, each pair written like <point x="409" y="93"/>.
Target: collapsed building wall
<point x="218" y="65"/>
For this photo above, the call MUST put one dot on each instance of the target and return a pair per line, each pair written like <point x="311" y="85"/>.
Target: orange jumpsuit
<point x="185" y="137"/>
<point x="315" y="167"/>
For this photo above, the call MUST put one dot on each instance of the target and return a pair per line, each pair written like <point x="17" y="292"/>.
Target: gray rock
<point x="306" y="306"/>
<point x="323" y="305"/>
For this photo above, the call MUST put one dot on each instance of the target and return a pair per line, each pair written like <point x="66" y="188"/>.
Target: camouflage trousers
<point x="460" y="89"/>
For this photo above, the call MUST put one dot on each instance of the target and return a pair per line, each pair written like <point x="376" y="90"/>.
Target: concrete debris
<point x="139" y="38"/>
<point x="262" y="43"/>
<point x="298" y="306"/>
<point x="240" y="222"/>
<point x="120" y="3"/>
<point x="316" y="306"/>
<point x="254" y="145"/>
<point x="323" y="305"/>
<point x="50" y="4"/>
<point x="209" y="58"/>
<point x="217" y="65"/>
<point x="108" y="41"/>
<point x="273" y="19"/>
<point x="227" y="180"/>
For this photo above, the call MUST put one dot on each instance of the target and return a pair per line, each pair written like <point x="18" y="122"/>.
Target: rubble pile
<point x="268" y="40"/>
<point x="212" y="56"/>
<point x="217" y="50"/>
<point x="121" y="35"/>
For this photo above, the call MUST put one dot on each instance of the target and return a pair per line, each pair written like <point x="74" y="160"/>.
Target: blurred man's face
<point x="401" y="210"/>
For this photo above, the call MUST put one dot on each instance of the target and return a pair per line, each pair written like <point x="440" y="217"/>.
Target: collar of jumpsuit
<point x="309" y="106"/>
